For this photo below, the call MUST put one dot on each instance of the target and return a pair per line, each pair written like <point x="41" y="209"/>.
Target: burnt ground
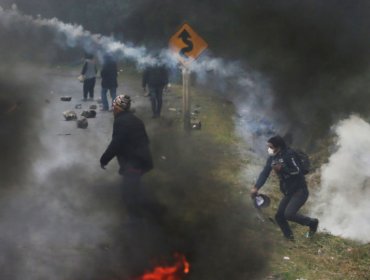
<point x="62" y="216"/>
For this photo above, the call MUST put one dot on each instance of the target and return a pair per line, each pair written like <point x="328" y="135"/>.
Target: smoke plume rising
<point x="342" y="203"/>
<point x="249" y="90"/>
<point x="62" y="217"/>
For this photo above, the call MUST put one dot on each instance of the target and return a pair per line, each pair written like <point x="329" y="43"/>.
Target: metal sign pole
<point x="186" y="98"/>
<point x="187" y="45"/>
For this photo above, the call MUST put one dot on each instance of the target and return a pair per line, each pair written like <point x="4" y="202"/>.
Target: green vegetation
<point x="210" y="155"/>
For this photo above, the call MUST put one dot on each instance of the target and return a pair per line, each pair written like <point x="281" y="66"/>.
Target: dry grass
<point x="324" y="257"/>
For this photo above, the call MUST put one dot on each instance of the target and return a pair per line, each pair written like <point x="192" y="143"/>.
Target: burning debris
<point x="177" y="271"/>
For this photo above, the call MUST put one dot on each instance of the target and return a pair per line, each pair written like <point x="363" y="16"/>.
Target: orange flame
<point x="174" y="272"/>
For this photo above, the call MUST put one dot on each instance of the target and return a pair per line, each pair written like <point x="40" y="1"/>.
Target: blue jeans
<point x="156" y="100"/>
<point x="104" y="97"/>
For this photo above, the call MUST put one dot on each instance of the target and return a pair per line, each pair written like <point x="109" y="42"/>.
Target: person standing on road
<point x="130" y="145"/>
<point x="88" y="73"/>
<point x="108" y="80"/>
<point x="284" y="162"/>
<point x="155" y="77"/>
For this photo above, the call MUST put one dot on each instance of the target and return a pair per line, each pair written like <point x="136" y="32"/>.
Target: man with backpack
<point x="288" y="166"/>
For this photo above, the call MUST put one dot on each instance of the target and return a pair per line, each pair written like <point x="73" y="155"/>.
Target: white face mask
<point x="270" y="151"/>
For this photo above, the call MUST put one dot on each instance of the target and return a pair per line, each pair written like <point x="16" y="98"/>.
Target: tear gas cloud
<point x="249" y="89"/>
<point x="66" y="220"/>
<point x="342" y="203"/>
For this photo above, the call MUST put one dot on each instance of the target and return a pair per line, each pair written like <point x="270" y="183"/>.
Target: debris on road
<point x="70" y="115"/>
<point x="196" y="125"/>
<point x="66" y="98"/>
<point x="82" y="123"/>
<point x="89" y="114"/>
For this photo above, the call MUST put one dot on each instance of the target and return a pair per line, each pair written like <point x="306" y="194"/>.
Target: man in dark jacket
<point x="155" y="77"/>
<point x="108" y="81"/>
<point x="130" y="145"/>
<point x="284" y="162"/>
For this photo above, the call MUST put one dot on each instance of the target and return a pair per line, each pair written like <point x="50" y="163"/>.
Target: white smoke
<point x="250" y="92"/>
<point x="342" y="204"/>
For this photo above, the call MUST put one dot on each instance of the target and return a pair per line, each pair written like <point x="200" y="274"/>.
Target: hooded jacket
<point x="130" y="144"/>
<point x="290" y="176"/>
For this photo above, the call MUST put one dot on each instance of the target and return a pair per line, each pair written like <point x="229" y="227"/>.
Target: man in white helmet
<point x="130" y="145"/>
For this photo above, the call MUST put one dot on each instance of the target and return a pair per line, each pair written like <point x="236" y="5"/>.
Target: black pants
<point x="288" y="211"/>
<point x="132" y="193"/>
<point x="138" y="201"/>
<point x="156" y="94"/>
<point x="88" y="88"/>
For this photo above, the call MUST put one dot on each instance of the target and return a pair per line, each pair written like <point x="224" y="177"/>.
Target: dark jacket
<point x="290" y="176"/>
<point x="109" y="74"/>
<point x="130" y="144"/>
<point x="155" y="76"/>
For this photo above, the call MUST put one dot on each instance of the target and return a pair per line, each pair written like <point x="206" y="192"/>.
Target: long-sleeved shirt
<point x="130" y="144"/>
<point x="155" y="76"/>
<point x="89" y="69"/>
<point x="290" y="176"/>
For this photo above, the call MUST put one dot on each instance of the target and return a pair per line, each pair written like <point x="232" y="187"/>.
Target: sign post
<point x="188" y="46"/>
<point x="186" y="98"/>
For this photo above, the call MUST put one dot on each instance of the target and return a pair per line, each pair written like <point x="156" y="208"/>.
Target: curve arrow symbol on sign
<point x="185" y="37"/>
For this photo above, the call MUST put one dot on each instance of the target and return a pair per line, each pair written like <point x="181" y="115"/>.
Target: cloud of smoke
<point x="65" y="219"/>
<point x="342" y="203"/>
<point x="249" y="90"/>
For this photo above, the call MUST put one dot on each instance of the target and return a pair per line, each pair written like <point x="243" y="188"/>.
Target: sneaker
<point x="313" y="228"/>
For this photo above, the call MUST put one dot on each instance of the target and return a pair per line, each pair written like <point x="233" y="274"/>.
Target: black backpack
<point x="303" y="161"/>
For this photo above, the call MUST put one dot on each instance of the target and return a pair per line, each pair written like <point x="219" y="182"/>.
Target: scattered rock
<point x="70" y="115"/>
<point x="89" y="114"/>
<point x="66" y="98"/>
<point x="78" y="106"/>
<point x="93" y="107"/>
<point x="82" y="123"/>
<point x="196" y="125"/>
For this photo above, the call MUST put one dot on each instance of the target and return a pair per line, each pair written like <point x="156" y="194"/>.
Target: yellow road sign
<point x="187" y="43"/>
